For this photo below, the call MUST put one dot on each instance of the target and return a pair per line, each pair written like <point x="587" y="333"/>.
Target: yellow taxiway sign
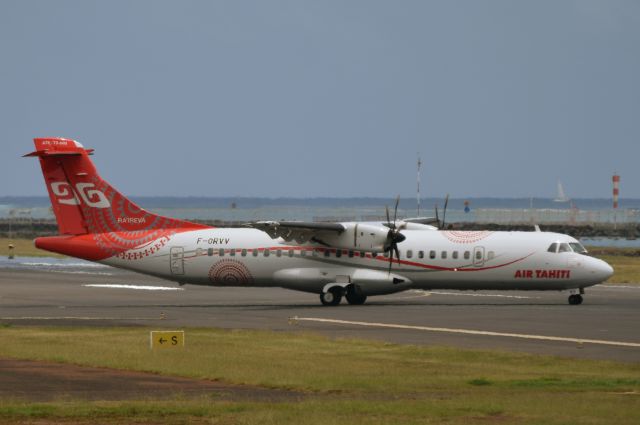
<point x="167" y="339"/>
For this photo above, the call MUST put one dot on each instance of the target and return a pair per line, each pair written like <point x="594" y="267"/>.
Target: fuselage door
<point x="478" y="256"/>
<point x="176" y="258"/>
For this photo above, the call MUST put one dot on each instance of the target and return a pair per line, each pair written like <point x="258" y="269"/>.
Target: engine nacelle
<point x="360" y="237"/>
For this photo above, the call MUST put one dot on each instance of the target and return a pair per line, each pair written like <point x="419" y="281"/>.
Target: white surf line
<point x="465" y="331"/>
<point x="139" y="287"/>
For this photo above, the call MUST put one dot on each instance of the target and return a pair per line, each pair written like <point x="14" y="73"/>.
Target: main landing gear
<point x="355" y="296"/>
<point x="334" y="295"/>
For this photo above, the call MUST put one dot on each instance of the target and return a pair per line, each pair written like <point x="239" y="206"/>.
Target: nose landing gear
<point x="576" y="296"/>
<point x="575" y="299"/>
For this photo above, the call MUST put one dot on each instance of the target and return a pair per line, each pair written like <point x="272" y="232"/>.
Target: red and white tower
<point x="616" y="190"/>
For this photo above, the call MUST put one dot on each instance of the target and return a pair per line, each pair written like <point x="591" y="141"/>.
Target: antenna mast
<point x="418" y="184"/>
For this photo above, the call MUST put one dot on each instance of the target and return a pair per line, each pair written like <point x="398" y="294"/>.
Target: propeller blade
<point x="390" y="254"/>
<point x="437" y="218"/>
<point x="444" y="211"/>
<point x="386" y="207"/>
<point x="395" y="248"/>
<point x="395" y="212"/>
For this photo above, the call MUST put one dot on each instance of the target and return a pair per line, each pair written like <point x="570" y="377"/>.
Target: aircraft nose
<point x="602" y="270"/>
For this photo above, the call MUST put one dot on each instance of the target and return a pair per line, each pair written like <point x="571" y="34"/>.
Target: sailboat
<point x="561" y="197"/>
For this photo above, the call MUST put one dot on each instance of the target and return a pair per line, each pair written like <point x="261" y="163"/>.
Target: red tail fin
<point x="82" y="202"/>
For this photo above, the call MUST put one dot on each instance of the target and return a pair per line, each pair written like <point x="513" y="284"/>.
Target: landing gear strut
<point x="575" y="299"/>
<point x="332" y="297"/>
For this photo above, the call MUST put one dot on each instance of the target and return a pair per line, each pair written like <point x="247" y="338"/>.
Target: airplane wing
<point x="299" y="231"/>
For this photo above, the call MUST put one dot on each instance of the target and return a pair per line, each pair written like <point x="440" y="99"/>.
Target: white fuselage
<point x="428" y="260"/>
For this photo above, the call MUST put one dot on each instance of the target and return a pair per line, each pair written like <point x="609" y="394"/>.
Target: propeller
<point x="394" y="236"/>
<point x="444" y="212"/>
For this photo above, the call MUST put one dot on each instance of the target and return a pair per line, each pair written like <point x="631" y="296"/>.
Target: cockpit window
<point x="577" y="247"/>
<point x="564" y="247"/>
<point x="553" y="247"/>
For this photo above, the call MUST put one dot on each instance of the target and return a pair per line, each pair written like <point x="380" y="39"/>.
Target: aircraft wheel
<point x="355" y="298"/>
<point x="332" y="297"/>
<point x="575" y="299"/>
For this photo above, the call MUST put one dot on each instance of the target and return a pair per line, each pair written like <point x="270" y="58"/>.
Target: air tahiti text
<point x="214" y="241"/>
<point x="542" y="274"/>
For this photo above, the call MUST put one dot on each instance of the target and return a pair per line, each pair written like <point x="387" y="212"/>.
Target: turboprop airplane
<point x="353" y="260"/>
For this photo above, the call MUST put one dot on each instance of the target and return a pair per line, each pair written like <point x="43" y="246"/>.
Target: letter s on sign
<point x="63" y="192"/>
<point x="92" y="197"/>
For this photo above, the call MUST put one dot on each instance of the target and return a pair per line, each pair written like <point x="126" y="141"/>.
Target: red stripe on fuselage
<point x="464" y="268"/>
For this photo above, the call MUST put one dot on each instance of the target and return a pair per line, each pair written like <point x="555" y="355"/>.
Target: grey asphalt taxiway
<point x="605" y="326"/>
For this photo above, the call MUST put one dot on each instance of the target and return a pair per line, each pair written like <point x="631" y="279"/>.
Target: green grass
<point x="626" y="269"/>
<point x="347" y="381"/>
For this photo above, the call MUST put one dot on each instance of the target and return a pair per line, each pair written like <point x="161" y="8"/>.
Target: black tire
<point x="332" y="297"/>
<point x="575" y="299"/>
<point x="355" y="297"/>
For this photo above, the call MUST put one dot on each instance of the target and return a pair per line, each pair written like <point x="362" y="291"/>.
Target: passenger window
<point x="210" y="252"/>
<point x="291" y="253"/>
<point x="255" y="252"/>
<point x="409" y="253"/>
<point x="327" y="253"/>
<point x="232" y="252"/>
<point x="244" y="253"/>
<point x="454" y="255"/>
<point x="564" y="247"/>
<point x="553" y="247"/>
<point x="350" y="254"/>
<point x="432" y="254"/>
<point x="278" y="253"/>
<point x="221" y="252"/>
<point x="478" y="255"/>
<point x="467" y="255"/>
<point x="490" y="255"/>
<point x="314" y="253"/>
<point x="303" y="252"/>
<point x="266" y="252"/>
<point x="374" y="254"/>
<point x="443" y="255"/>
<point x="420" y="254"/>
<point x="338" y="253"/>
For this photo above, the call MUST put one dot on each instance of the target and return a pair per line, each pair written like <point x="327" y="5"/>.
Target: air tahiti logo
<point x="90" y="197"/>
<point x="230" y="272"/>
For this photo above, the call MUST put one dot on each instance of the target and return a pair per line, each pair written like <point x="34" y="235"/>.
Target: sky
<point x="327" y="98"/>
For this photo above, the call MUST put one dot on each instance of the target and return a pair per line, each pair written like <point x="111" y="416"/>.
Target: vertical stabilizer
<point x="83" y="202"/>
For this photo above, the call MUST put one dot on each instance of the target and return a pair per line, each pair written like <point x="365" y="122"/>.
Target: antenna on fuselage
<point x="418" y="185"/>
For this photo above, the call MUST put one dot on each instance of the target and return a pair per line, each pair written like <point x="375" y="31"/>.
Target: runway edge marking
<point x="466" y="331"/>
